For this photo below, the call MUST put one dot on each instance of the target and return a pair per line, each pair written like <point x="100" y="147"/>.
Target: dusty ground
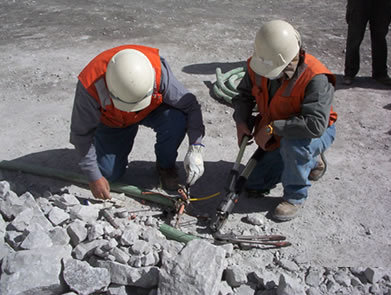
<point x="45" y="44"/>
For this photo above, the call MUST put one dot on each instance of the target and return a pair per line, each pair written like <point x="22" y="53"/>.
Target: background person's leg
<point x="357" y="17"/>
<point x="379" y="23"/>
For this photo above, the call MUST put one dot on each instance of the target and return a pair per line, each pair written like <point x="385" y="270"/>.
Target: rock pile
<point x="60" y="244"/>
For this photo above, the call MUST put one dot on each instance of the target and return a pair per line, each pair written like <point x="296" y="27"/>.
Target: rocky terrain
<point x="55" y="239"/>
<point x="61" y="244"/>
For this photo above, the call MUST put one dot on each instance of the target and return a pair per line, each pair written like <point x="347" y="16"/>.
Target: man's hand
<point x="242" y="130"/>
<point x="100" y="189"/>
<point x="262" y="137"/>
<point x="194" y="163"/>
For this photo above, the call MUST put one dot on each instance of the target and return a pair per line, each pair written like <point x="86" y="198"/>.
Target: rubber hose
<point x="225" y="85"/>
<point x="175" y="234"/>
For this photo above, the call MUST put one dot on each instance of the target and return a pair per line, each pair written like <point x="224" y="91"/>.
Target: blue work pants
<point x="291" y="165"/>
<point x="113" y="145"/>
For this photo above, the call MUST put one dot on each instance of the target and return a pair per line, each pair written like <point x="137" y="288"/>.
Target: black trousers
<point x="358" y="14"/>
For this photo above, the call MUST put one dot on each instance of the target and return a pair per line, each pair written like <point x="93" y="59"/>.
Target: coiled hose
<point x="226" y="84"/>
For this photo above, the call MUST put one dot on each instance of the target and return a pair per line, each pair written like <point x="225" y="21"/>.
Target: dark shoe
<point x="347" y="80"/>
<point x="386" y="80"/>
<point x="320" y="169"/>
<point x="169" y="179"/>
<point x="286" y="211"/>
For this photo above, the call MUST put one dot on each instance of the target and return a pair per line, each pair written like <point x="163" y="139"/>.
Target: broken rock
<point x="83" y="278"/>
<point x="197" y="269"/>
<point x="34" y="271"/>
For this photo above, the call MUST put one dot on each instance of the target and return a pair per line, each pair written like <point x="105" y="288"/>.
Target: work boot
<point x="320" y="168"/>
<point x="286" y="211"/>
<point x="169" y="179"/>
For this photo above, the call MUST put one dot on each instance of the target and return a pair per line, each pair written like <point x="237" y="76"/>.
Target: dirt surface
<point x="45" y="44"/>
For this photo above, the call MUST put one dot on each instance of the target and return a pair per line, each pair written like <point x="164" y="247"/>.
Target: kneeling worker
<point x="293" y="92"/>
<point x="120" y="89"/>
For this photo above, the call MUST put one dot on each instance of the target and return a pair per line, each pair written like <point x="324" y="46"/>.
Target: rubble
<point x="78" y="251"/>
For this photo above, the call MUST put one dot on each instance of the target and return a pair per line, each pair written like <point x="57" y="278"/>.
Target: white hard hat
<point x="276" y="44"/>
<point x="130" y="80"/>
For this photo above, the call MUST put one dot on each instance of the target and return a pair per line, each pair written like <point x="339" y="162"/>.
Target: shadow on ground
<point x="364" y="82"/>
<point x="210" y="68"/>
<point x="141" y="174"/>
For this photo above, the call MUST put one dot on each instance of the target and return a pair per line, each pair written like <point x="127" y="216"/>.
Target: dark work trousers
<point x="358" y="14"/>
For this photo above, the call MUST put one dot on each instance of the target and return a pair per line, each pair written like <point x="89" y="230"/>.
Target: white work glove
<point x="194" y="164"/>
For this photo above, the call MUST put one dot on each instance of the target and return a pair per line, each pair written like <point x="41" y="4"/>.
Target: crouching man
<point x="293" y="92"/>
<point x="119" y="90"/>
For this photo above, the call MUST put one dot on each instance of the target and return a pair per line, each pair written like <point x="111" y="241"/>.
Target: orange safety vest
<point x="287" y="100"/>
<point x="93" y="79"/>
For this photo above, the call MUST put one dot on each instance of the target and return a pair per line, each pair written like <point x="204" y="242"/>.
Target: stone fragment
<point x="313" y="291"/>
<point x="313" y="277"/>
<point x="59" y="236"/>
<point x="120" y="256"/>
<point x="95" y="231"/>
<point x="30" y="216"/>
<point x="83" y="278"/>
<point x="87" y="213"/>
<point x="131" y="234"/>
<point x="85" y="249"/>
<point x="44" y="205"/>
<point x="112" y="243"/>
<point x="3" y="226"/>
<point x="342" y="279"/>
<point x="29" y="201"/>
<point x="65" y="200"/>
<point x="288" y="286"/>
<point x="115" y="289"/>
<point x="35" y="240"/>
<point x="235" y="276"/>
<point x="14" y="238"/>
<point x="108" y="229"/>
<point x="224" y="289"/>
<point x="264" y="278"/>
<point x="255" y="219"/>
<point x="245" y="290"/>
<point x="11" y="205"/>
<point x="288" y="265"/>
<point x="135" y="261"/>
<point x="181" y="274"/>
<point x="144" y="277"/>
<point x="373" y="275"/>
<point x="5" y="249"/>
<point x="229" y="248"/>
<point x="100" y="252"/>
<point x="141" y="247"/>
<point x="150" y="259"/>
<point x="34" y="271"/>
<point x="58" y="216"/>
<point x="4" y="188"/>
<point x="77" y="231"/>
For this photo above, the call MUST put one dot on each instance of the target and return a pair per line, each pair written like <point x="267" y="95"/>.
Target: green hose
<point x="77" y="178"/>
<point x="225" y="86"/>
<point x="175" y="234"/>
